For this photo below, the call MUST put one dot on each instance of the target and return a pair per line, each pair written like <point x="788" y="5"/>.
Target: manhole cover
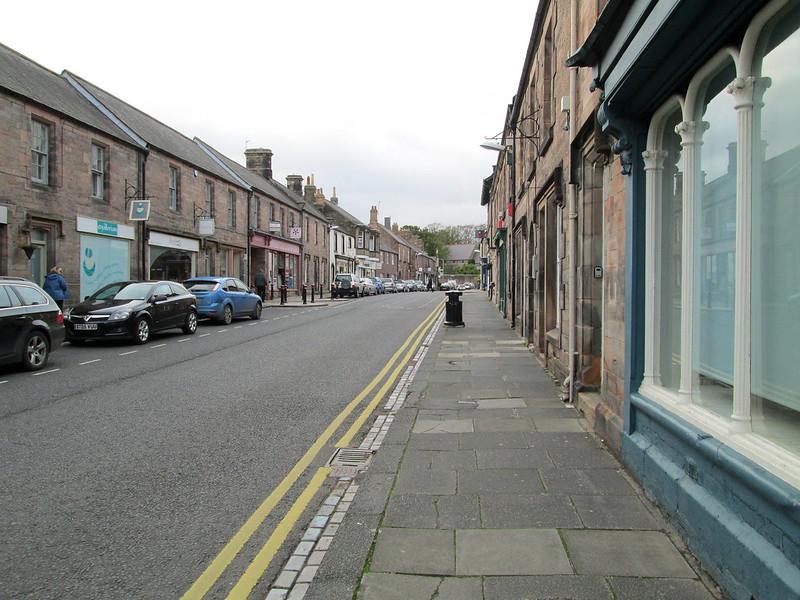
<point x="350" y="459"/>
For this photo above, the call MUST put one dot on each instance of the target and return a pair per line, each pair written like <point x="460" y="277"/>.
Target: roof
<point x="156" y="133"/>
<point x="460" y="252"/>
<point x="24" y="77"/>
<point x="343" y="213"/>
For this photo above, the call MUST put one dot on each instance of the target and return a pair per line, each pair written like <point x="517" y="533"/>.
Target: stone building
<point x="344" y="233"/>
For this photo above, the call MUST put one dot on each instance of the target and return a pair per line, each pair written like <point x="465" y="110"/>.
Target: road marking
<point x="204" y="334"/>
<point x="245" y="585"/>
<point x="184" y="340"/>
<point x="88" y="362"/>
<point x="217" y="566"/>
<point x="157" y="346"/>
<point x="45" y="372"/>
<point x="2" y="382"/>
<point x="238" y="327"/>
<point x="131" y="352"/>
<point x="222" y="331"/>
<point x="253" y="324"/>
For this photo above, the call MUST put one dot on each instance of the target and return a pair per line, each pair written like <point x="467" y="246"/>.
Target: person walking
<point x="261" y="284"/>
<point x="56" y="285"/>
<point x="430" y="284"/>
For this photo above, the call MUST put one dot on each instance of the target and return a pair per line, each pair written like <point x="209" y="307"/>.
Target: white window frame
<point x="735" y="431"/>
<point x="209" y="199"/>
<point x="40" y="152"/>
<point x="174" y="177"/>
<point x="232" y="209"/>
<point x="98" y="172"/>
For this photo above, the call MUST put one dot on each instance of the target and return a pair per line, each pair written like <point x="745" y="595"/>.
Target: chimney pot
<point x="387" y="222"/>
<point x="259" y="160"/>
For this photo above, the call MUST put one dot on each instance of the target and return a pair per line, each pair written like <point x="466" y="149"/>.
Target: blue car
<point x="224" y="298"/>
<point x="379" y="288"/>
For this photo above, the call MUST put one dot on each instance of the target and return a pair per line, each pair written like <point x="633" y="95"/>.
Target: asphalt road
<point x="125" y="471"/>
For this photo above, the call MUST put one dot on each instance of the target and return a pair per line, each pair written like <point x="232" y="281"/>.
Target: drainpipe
<point x="144" y="272"/>
<point x="248" y="254"/>
<point x="572" y="211"/>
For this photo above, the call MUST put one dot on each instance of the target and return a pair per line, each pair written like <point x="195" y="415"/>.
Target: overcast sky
<point x="387" y="101"/>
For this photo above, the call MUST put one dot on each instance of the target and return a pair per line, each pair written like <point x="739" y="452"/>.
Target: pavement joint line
<point x="45" y="372"/>
<point x="129" y="352"/>
<point x="88" y="362"/>
<point x="223" y="559"/>
<point x="301" y="561"/>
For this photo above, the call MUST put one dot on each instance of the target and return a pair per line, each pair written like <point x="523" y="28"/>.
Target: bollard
<point x="453" y="313"/>
<point x="284" y="294"/>
<point x="271" y="290"/>
<point x="304" y="294"/>
<point x="313" y="287"/>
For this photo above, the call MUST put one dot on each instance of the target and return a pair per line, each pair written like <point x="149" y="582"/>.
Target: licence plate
<point x="85" y="326"/>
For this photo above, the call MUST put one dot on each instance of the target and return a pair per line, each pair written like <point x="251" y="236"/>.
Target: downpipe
<point x="572" y="212"/>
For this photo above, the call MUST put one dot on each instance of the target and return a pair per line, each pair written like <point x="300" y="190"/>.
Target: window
<point x="360" y="243"/>
<point x="272" y="212"/>
<point x="547" y="79"/>
<point x="283" y="221"/>
<point x="372" y="243"/>
<point x="723" y="256"/>
<point x="7" y="298"/>
<point x="40" y="152"/>
<point x="223" y="261"/>
<point x="209" y="199"/>
<point x="98" y="171"/>
<point x="291" y="219"/>
<point x="307" y="231"/>
<point x="231" y="208"/>
<point x="174" y="188"/>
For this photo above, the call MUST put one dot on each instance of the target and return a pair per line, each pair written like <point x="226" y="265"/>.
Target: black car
<point x="31" y="323"/>
<point x="132" y="309"/>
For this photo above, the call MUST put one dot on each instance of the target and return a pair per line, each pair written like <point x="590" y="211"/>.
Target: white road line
<point x="130" y="352"/>
<point x="157" y="346"/>
<point x="2" y="382"/>
<point x="238" y="327"/>
<point x="222" y="331"/>
<point x="88" y="362"/>
<point x="184" y="340"/>
<point x="253" y="324"/>
<point x="45" y="372"/>
<point x="204" y="334"/>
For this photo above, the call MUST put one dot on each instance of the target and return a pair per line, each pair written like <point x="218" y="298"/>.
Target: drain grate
<point x="349" y="461"/>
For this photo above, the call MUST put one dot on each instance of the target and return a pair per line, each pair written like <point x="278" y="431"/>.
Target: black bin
<point x="453" y="313"/>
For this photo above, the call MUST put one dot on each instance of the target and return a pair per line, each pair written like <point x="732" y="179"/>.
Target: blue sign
<point x="107" y="228"/>
<point x="140" y="210"/>
<point x="104" y="260"/>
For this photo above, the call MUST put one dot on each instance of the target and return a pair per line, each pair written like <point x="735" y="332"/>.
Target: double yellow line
<point x="262" y="560"/>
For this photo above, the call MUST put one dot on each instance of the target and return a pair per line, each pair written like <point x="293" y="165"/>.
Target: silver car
<point x="368" y="288"/>
<point x="388" y="285"/>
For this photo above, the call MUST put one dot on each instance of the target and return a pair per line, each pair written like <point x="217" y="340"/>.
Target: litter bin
<point x="453" y="310"/>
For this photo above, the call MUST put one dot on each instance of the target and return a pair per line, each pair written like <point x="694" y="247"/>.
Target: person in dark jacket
<point x="261" y="283"/>
<point x="56" y="285"/>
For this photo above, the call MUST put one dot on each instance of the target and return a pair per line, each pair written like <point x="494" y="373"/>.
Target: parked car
<point x="132" y="310"/>
<point x="347" y="284"/>
<point x="389" y="285"/>
<point x="31" y="324"/>
<point x="224" y="298"/>
<point x="378" y="284"/>
<point x="410" y="287"/>
<point x="368" y="287"/>
<point x="419" y="286"/>
<point x="400" y="285"/>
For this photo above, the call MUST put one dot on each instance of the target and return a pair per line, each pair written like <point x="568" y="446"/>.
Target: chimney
<point x="395" y="227"/>
<point x="295" y="183"/>
<point x="310" y="191"/>
<point x="334" y="199"/>
<point x="373" y="217"/>
<point x="387" y="222"/>
<point x="259" y="160"/>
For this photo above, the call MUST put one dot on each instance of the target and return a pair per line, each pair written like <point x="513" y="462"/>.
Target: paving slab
<point x="411" y="511"/>
<point x="558" y="425"/>
<point x="505" y="511"/>
<point x="476" y="394"/>
<point x="499" y="481"/>
<point x="614" y="512"/>
<point x="510" y="552"/>
<point x="635" y="588"/>
<point x="493" y="424"/>
<point x="461" y="511"/>
<point x="432" y="441"/>
<point x="390" y="586"/>
<point x="625" y="553"/>
<point x="428" y="426"/>
<point x="513" y="458"/>
<point x="436" y="482"/>
<point x="586" y="482"/>
<point x="487" y="440"/>
<point x="547" y="587"/>
<point x="414" y="551"/>
<point x="463" y="460"/>
<point x="487" y="403"/>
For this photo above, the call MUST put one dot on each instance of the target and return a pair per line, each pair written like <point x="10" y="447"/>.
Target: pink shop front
<point x="279" y="258"/>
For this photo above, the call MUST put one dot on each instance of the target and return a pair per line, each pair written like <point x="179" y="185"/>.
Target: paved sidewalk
<point x="488" y="487"/>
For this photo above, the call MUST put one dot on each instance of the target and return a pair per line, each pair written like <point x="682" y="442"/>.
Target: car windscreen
<point x="200" y="286"/>
<point x="135" y="291"/>
<point x="343" y="278"/>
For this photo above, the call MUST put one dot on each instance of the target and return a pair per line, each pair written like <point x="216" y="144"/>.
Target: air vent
<point x="348" y="462"/>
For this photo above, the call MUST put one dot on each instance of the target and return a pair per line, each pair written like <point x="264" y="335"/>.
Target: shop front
<point x="105" y="253"/>
<point x="172" y="257"/>
<point x="279" y="258"/>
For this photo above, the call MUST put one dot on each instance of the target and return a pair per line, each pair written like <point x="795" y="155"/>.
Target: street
<point x="126" y="469"/>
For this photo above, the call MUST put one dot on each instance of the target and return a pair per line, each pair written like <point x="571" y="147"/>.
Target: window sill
<point x="738" y="436"/>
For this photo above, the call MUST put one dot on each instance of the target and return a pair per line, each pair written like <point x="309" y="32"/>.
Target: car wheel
<point x="227" y="315"/>
<point x="142" y="330"/>
<point x="35" y="351"/>
<point x="256" y="312"/>
<point x="190" y="326"/>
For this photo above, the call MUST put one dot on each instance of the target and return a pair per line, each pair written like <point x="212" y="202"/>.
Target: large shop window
<point x="723" y="253"/>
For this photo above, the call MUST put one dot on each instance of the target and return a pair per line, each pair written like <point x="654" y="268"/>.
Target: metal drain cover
<point x="347" y="462"/>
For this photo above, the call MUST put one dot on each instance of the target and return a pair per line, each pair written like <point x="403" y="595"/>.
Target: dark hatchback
<point x="31" y="324"/>
<point x="134" y="310"/>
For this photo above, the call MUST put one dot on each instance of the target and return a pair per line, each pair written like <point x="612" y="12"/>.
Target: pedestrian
<point x="56" y="285"/>
<point x="261" y="284"/>
<point x="430" y="284"/>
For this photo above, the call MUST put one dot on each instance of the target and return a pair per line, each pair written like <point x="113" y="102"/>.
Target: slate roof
<point x="155" y="133"/>
<point x="343" y="213"/>
<point x="460" y="252"/>
<point x="24" y="77"/>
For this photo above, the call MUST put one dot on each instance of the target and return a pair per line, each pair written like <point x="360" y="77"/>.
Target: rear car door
<point x="183" y="302"/>
<point x="248" y="300"/>
<point x="163" y="308"/>
<point x="12" y="322"/>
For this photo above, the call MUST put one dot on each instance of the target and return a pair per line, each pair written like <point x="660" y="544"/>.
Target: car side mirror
<point x="159" y="297"/>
